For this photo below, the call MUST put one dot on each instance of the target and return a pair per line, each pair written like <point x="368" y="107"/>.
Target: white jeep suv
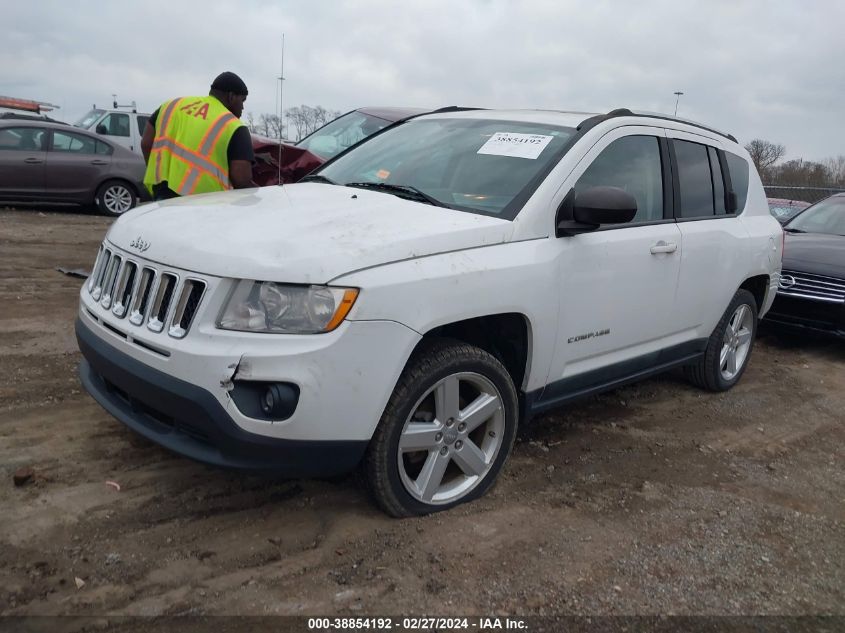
<point x="409" y="303"/>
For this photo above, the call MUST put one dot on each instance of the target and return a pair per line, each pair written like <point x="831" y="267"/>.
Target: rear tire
<point x="446" y="432"/>
<point x="729" y="347"/>
<point x="115" y="197"/>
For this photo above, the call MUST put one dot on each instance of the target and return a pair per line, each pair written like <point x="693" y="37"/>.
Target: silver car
<point x="54" y="163"/>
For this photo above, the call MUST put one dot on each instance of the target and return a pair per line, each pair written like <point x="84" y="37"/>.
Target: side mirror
<point x="102" y="129"/>
<point x="589" y="209"/>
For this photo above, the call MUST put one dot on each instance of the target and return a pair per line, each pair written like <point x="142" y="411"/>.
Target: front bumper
<point x="190" y="421"/>
<point x="805" y="315"/>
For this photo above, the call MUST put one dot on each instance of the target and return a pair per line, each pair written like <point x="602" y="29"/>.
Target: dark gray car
<point x="42" y="162"/>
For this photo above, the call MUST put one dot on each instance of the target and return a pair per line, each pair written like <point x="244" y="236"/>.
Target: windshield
<point x="469" y="164"/>
<point x="331" y="139"/>
<point x="827" y="216"/>
<point x="88" y="120"/>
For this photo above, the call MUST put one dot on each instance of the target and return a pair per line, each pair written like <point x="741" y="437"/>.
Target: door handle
<point x="33" y="161"/>
<point x="99" y="162"/>
<point x="663" y="247"/>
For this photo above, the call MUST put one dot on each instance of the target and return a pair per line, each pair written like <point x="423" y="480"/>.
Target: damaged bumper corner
<point x="189" y="420"/>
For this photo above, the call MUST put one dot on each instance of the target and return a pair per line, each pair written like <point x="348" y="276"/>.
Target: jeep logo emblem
<point x="139" y="244"/>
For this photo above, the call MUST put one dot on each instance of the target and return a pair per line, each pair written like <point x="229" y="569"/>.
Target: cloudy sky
<point x="758" y="69"/>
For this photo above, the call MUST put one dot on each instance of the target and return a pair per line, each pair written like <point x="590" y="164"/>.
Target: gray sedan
<point x="53" y="163"/>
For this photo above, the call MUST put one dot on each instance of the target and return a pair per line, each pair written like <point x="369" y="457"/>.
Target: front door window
<point x="631" y="163"/>
<point x="115" y="124"/>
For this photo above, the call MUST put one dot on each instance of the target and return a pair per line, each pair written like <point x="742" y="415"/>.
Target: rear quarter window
<point x="738" y="168"/>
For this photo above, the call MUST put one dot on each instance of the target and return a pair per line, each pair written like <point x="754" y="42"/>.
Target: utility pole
<point x="281" y="79"/>
<point x="677" y="98"/>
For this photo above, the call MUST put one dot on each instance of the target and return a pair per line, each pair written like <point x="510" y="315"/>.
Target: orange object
<point x="345" y="306"/>
<point x="25" y="104"/>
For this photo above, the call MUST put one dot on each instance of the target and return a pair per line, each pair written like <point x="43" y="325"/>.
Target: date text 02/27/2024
<point x="416" y="624"/>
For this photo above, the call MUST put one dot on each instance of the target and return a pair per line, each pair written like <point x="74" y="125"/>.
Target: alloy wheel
<point x="117" y="199"/>
<point x="451" y="438"/>
<point x="736" y="343"/>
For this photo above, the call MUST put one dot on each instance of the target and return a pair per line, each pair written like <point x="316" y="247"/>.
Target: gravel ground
<point x="651" y="499"/>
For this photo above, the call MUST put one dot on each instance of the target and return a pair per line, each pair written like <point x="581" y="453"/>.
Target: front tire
<point x="446" y="432"/>
<point x="729" y="347"/>
<point x="114" y="198"/>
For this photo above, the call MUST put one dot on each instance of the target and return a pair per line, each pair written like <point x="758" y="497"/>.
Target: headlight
<point x="266" y="306"/>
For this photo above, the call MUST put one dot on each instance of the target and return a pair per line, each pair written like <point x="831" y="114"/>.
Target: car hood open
<point x="277" y="162"/>
<point x="303" y="233"/>
<point x="815" y="253"/>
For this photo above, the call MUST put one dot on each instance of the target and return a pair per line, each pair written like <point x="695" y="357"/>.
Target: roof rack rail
<point x="454" y="109"/>
<point x="586" y="124"/>
<point x="29" y="117"/>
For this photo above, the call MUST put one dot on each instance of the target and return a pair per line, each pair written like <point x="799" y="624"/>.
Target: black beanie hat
<point x="229" y="82"/>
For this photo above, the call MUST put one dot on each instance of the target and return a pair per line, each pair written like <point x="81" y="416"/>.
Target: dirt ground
<point x="652" y="499"/>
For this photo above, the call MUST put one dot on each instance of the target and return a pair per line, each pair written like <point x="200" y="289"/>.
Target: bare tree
<point x="764" y="153"/>
<point x="803" y="173"/>
<point x="269" y="125"/>
<point x="274" y="126"/>
<point x="304" y="119"/>
<point x="249" y="121"/>
<point x="296" y="121"/>
<point x="836" y="170"/>
<point x="300" y="121"/>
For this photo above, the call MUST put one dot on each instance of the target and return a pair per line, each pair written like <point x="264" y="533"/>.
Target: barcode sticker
<point x="516" y="145"/>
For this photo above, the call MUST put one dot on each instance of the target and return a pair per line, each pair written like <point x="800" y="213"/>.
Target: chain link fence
<point x="806" y="194"/>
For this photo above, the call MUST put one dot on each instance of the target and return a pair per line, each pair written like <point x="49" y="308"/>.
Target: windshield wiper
<point x="791" y="230"/>
<point x="408" y="192"/>
<point x="318" y="178"/>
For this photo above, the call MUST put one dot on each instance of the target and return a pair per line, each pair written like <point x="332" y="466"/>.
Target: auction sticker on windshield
<point x="515" y="144"/>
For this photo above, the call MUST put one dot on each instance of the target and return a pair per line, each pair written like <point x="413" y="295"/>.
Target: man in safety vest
<point x="198" y="144"/>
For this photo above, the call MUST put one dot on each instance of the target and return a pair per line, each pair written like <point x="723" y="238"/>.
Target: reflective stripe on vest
<point x="189" y="155"/>
<point x="214" y="131"/>
<point x="192" y="158"/>
<point x="165" y="121"/>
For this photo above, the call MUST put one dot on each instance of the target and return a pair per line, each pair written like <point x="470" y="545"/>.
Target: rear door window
<point x="718" y="181"/>
<point x="73" y="143"/>
<point x="694" y="180"/>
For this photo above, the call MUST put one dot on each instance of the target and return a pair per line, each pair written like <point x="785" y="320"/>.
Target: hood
<point x="304" y="233"/>
<point x="815" y="253"/>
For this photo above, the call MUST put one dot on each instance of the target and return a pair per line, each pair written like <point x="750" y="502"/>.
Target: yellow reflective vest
<point x="192" y="136"/>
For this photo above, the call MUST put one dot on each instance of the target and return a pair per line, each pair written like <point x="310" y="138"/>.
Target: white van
<point x="122" y="127"/>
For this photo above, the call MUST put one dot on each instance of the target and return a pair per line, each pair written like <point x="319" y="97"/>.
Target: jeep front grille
<point x="815" y="287"/>
<point x="161" y="299"/>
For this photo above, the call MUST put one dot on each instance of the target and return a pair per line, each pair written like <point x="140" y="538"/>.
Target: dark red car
<point x="784" y="210"/>
<point x="281" y="162"/>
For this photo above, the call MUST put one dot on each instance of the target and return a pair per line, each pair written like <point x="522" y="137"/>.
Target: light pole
<point x="677" y="98"/>
<point x="280" y="108"/>
<point x="281" y="79"/>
